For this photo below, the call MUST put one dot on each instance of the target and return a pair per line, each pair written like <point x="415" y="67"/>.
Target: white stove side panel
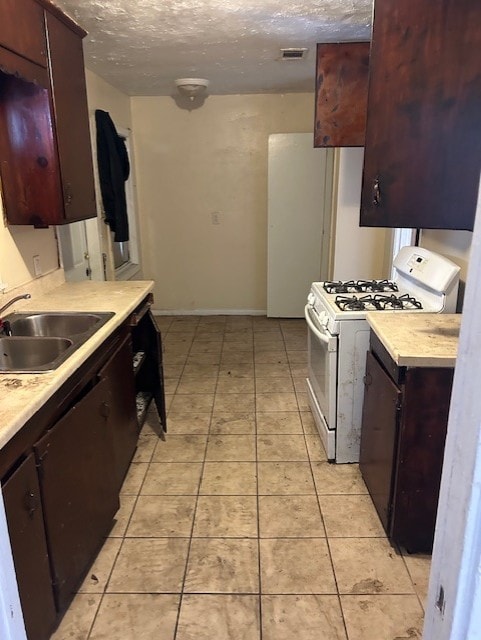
<point x="353" y="346"/>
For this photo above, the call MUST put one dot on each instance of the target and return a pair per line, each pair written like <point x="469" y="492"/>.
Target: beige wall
<point x="193" y="164"/>
<point x="18" y="245"/>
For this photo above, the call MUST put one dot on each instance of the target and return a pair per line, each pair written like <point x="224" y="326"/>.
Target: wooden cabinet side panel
<point x="421" y="451"/>
<point x="379" y="436"/>
<point x="341" y="94"/>
<point x="21" y="493"/>
<point x="423" y="124"/>
<point x="79" y="489"/>
<point x="71" y="119"/>
<point x="22" y="29"/>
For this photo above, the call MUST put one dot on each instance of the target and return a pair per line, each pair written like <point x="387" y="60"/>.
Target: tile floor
<point x="236" y="527"/>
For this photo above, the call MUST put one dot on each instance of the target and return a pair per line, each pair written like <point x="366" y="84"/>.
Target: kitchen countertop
<point x="22" y="394"/>
<point x="418" y="339"/>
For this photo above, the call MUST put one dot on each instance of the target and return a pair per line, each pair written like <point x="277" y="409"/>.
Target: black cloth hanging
<point x="114" y="170"/>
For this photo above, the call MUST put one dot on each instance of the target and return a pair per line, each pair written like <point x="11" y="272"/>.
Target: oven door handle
<point x="324" y="337"/>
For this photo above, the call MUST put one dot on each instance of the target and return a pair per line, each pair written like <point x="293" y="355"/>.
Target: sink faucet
<point x="5" y="325"/>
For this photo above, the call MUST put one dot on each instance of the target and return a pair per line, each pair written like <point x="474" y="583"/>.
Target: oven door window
<point x="323" y="370"/>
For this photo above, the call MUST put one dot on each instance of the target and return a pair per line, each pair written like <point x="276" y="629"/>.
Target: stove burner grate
<point x="359" y="286"/>
<point x="378" y="302"/>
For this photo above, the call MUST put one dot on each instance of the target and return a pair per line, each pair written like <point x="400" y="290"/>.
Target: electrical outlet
<point x="215" y="217"/>
<point x="37" y="269"/>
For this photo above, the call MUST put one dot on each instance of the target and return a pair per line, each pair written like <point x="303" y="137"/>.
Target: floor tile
<point x="338" y="478"/>
<point x="315" y="448"/>
<point x="145" y="448"/>
<point x="181" y="448"/>
<point x="347" y="516"/>
<point x="298" y="370"/>
<point x="194" y="385"/>
<point x="203" y="358"/>
<point x="419" y="567"/>
<point x="235" y="385"/>
<point x="268" y="356"/>
<point x="136" y="617"/>
<point x="281" y="448"/>
<point x="219" y="617"/>
<point x="290" y="517"/>
<point x="275" y="385"/>
<point x="278" y="422"/>
<point x="201" y="369"/>
<point x="134" y="478"/>
<point x="99" y="573"/>
<point x="276" y="402"/>
<point x="272" y="370"/>
<point x="122" y="517"/>
<point x="302" y="401"/>
<point x="382" y="616"/>
<point x="162" y="516"/>
<point x="368" y="566"/>
<point x="303" y="617"/>
<point x="239" y="448"/>
<point x="236" y="402"/>
<point x="180" y="423"/>
<point x="237" y="357"/>
<point x="149" y="565"/>
<point x="222" y="566"/>
<point x="280" y="478"/>
<point x="226" y="517"/>
<point x="224" y="478"/>
<point x="239" y="370"/>
<point x="232" y="423"/>
<point x="176" y="478"/>
<point x="78" y="619"/>
<point x="296" y="566"/>
<point x="308" y="423"/>
<point x="240" y="346"/>
<point x="193" y="403"/>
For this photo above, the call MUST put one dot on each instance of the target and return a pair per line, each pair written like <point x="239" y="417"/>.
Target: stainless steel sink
<point x="67" y="325"/>
<point x="41" y="341"/>
<point x="32" y="354"/>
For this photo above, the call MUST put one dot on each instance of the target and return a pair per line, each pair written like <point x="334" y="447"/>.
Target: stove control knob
<point x="311" y="298"/>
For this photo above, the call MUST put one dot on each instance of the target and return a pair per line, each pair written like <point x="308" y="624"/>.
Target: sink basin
<point x="32" y="354"/>
<point x="67" y="325"/>
<point x="41" y="341"/>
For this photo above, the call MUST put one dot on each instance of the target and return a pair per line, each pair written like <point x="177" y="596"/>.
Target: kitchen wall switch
<point x="37" y="269"/>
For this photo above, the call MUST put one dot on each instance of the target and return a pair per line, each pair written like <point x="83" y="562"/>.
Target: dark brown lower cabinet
<point x="21" y="495"/>
<point x="120" y="396"/>
<point x="405" y="416"/>
<point x="79" y="489"/>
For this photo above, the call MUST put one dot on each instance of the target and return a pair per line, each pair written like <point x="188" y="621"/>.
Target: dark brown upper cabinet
<point x="423" y="142"/>
<point x="69" y="95"/>
<point x="22" y="29"/>
<point x="341" y="94"/>
<point x="45" y="154"/>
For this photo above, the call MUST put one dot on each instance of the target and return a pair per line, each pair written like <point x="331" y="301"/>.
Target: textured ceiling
<point x="141" y="46"/>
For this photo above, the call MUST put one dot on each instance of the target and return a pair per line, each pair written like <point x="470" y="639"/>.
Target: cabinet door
<point x="22" y="29"/>
<point x="119" y="378"/>
<point x="423" y="149"/>
<point x="21" y="495"/>
<point x="71" y="119"/>
<point x="149" y="382"/>
<point x="79" y="489"/>
<point x="341" y="94"/>
<point x="29" y="170"/>
<point x="378" y="436"/>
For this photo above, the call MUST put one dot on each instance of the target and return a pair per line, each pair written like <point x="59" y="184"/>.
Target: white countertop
<point x="22" y="394"/>
<point x="418" y="339"/>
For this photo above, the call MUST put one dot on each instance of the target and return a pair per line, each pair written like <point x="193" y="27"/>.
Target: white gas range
<point x="338" y="337"/>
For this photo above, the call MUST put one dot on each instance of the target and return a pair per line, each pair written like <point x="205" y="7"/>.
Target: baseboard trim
<point x="209" y="312"/>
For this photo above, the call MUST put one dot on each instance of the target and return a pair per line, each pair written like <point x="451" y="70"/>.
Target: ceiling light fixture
<point x="192" y="87"/>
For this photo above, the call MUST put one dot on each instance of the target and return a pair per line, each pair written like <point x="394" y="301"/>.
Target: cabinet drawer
<point x="22" y="29"/>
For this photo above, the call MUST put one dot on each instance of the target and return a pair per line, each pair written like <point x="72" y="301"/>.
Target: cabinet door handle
<point x="68" y="193"/>
<point x="104" y="409"/>
<point x="376" y="193"/>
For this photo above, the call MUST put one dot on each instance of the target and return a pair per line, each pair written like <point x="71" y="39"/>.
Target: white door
<point x="299" y="213"/>
<point x="74" y="251"/>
